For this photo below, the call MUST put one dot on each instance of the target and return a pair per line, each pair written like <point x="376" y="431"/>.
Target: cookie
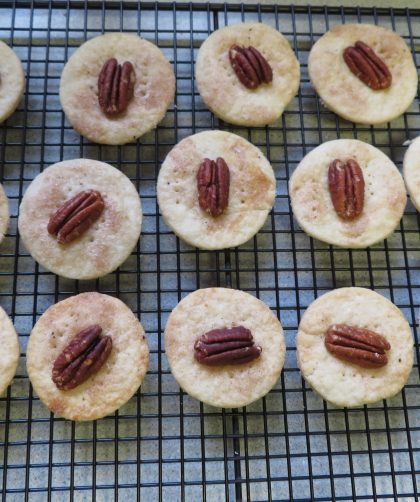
<point x="4" y="213"/>
<point x="345" y="383"/>
<point x="226" y="95"/>
<point x="344" y="93"/>
<point x="10" y="350"/>
<point x="153" y="92"/>
<point x="384" y="195"/>
<point x="106" y="243"/>
<point x="12" y="81"/>
<point x="251" y="192"/>
<point x="115" y="382"/>
<point x="412" y="171"/>
<point x="225" y="385"/>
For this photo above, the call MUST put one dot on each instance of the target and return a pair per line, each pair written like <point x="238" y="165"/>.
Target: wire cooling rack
<point x="164" y="445"/>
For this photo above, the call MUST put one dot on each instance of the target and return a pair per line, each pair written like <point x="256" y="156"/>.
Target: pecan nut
<point x="367" y="66"/>
<point x="115" y="86"/>
<point x="83" y="357"/>
<point x="347" y="188"/>
<point x="226" y="346"/>
<point x="76" y="215"/>
<point x="250" y="66"/>
<point x="213" y="181"/>
<point x="357" y="345"/>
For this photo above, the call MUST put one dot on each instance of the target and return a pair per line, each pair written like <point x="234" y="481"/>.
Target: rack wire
<point x="163" y="444"/>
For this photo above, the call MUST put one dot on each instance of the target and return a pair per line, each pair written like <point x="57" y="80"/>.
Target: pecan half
<point x="357" y="345"/>
<point x="115" y="86"/>
<point x="347" y="188"/>
<point x="83" y="357"/>
<point x="75" y="216"/>
<point x="367" y="66"/>
<point x="213" y="180"/>
<point x="226" y="346"/>
<point x="250" y="66"/>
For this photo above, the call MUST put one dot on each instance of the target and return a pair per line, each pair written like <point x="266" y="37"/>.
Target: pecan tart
<point x="116" y="87"/>
<point x="4" y="213"/>
<point x="86" y="356"/>
<point x="215" y="190"/>
<point x="364" y="73"/>
<point x="80" y="218"/>
<point x="224" y="346"/>
<point x="412" y="171"/>
<point x="354" y="347"/>
<point x="10" y="350"/>
<point x="347" y="193"/>
<point x="12" y="81"/>
<point x="247" y="73"/>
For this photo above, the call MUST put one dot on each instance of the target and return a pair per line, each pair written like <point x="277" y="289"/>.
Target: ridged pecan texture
<point x="357" y="345"/>
<point x="226" y="346"/>
<point x="213" y="181"/>
<point x="76" y="215"/>
<point x="83" y="357"/>
<point x="115" y="86"/>
<point x="367" y="66"/>
<point x="347" y="188"/>
<point x="250" y="66"/>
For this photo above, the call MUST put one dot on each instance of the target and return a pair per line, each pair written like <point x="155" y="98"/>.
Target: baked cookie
<point x="412" y="171"/>
<point x="226" y="94"/>
<point x="146" y="88"/>
<point x="367" y="98"/>
<point x="315" y="207"/>
<point x="9" y="354"/>
<point x="327" y="350"/>
<point x="12" y="81"/>
<point x="237" y="374"/>
<point x="109" y="386"/>
<point x="249" y="198"/>
<point x="4" y="213"/>
<point x="111" y="235"/>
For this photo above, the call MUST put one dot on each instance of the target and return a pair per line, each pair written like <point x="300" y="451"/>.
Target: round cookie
<point x="251" y="194"/>
<point x="342" y="92"/>
<point x="4" y="213"/>
<point x="412" y="171"/>
<point x="12" y="81"/>
<point x="384" y="196"/>
<point x="115" y="382"/>
<point x="106" y="244"/>
<point x="222" y="91"/>
<point x="227" y="386"/>
<point x="10" y="350"/>
<point x="154" y="88"/>
<point x="343" y="383"/>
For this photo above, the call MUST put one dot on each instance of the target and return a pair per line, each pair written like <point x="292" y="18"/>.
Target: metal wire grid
<point x="164" y="445"/>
